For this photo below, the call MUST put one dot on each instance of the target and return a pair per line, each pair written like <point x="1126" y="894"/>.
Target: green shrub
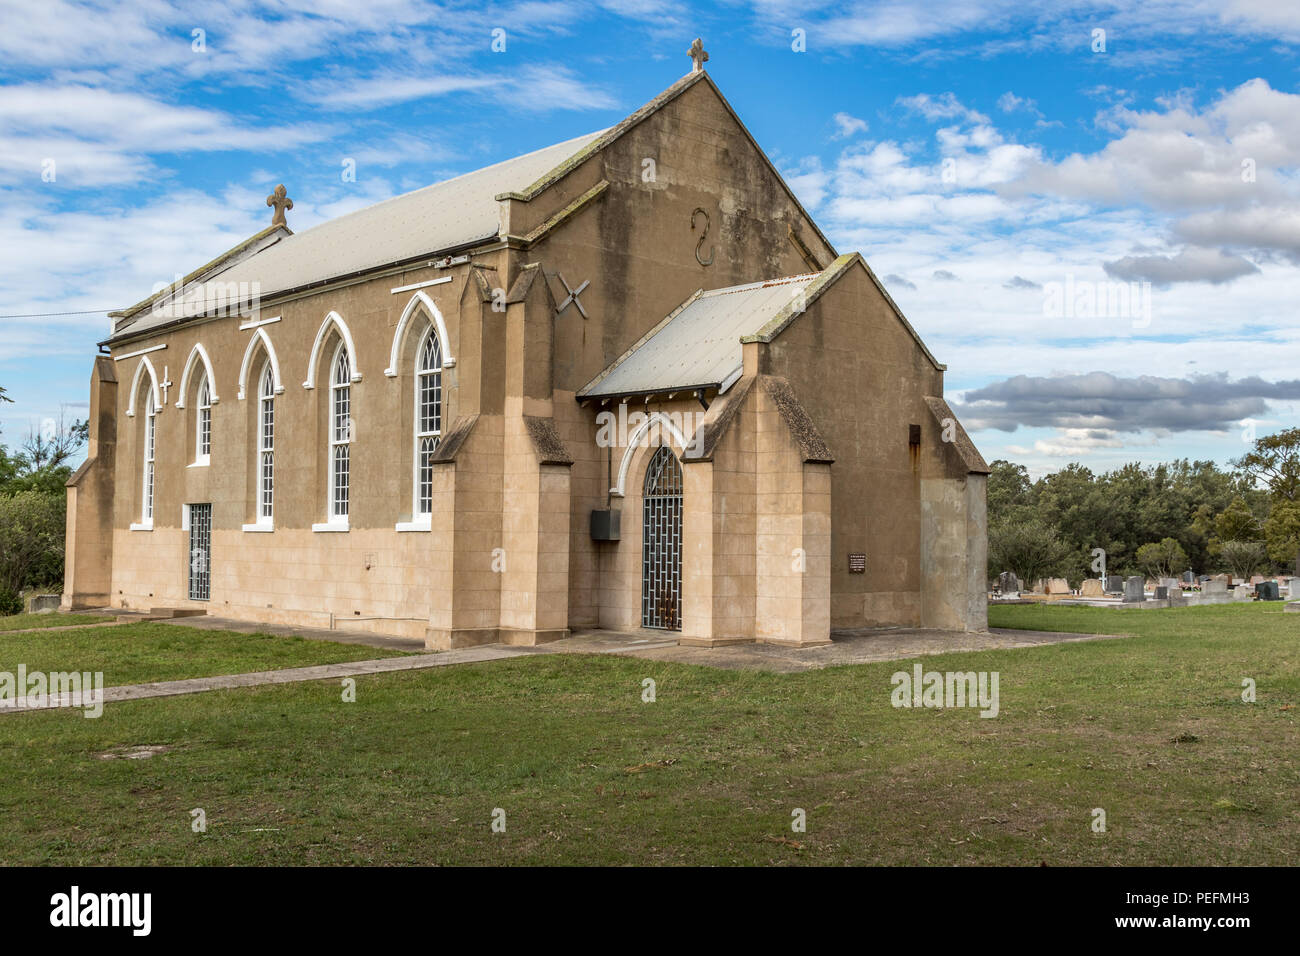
<point x="10" y="602"/>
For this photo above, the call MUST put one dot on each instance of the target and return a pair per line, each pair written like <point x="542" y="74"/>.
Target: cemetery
<point x="1136" y="591"/>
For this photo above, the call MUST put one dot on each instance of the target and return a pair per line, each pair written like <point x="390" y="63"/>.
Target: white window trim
<point x="201" y="460"/>
<point x="142" y="525"/>
<point x="420" y="519"/>
<point x="267" y="526"/>
<point x="334" y="521"/>
<point x="420" y="523"/>
<point x="435" y="318"/>
<point x="149" y="469"/>
<point x="262" y="449"/>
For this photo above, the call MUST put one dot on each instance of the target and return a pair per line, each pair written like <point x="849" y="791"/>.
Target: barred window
<point x="340" y="433"/>
<point x="428" y="419"/>
<point x="150" y="418"/>
<point x="203" y="439"/>
<point x="266" y="444"/>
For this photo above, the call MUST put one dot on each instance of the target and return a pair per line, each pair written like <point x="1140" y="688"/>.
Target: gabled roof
<point x="698" y="344"/>
<point x="447" y="215"/>
<point x="453" y="214"/>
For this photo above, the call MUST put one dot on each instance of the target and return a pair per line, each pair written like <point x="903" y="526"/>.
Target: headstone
<point x="1203" y="579"/>
<point x="1162" y="592"/>
<point x="1091" y="588"/>
<point x="1256" y="579"/>
<point x="1267" y="591"/>
<point x="1243" y="592"/>
<point x="1215" y="586"/>
<point x="40" y="603"/>
<point x="1189" y="577"/>
<point x="1058" y="586"/>
<point x="1114" y="584"/>
<point x="1008" y="582"/>
<point x="1133" y="589"/>
<point x="1169" y="584"/>
<point x="1225" y="578"/>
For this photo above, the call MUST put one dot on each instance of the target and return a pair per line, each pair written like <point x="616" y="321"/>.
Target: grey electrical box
<point x="605" y="525"/>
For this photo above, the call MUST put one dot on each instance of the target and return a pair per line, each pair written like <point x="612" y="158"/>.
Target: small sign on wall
<point x="857" y="564"/>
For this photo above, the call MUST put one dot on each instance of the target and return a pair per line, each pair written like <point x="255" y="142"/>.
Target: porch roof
<point x="698" y="345"/>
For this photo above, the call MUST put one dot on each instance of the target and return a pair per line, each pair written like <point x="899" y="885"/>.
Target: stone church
<point x="621" y="382"/>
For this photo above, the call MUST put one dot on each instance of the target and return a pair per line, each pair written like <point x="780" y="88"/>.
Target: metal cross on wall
<point x="166" y="383"/>
<point x="573" y="295"/>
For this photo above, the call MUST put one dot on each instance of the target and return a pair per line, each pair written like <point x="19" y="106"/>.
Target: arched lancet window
<point x="203" y="423"/>
<point x="266" y="444"/>
<point x="661" y="566"/>
<point x="428" y="418"/>
<point x="340" y="433"/>
<point x="150" y="420"/>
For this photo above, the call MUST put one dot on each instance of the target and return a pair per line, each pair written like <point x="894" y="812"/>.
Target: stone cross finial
<point x="282" y="203"/>
<point x="698" y="56"/>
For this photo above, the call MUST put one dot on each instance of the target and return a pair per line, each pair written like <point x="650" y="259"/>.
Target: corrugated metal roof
<point x="446" y="215"/>
<point x="698" y="345"/>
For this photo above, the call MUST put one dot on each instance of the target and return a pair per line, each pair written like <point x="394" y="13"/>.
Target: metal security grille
<point x="661" y="565"/>
<point x="200" y="552"/>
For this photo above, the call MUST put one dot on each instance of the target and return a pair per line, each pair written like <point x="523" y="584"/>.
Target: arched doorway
<point x="661" y="564"/>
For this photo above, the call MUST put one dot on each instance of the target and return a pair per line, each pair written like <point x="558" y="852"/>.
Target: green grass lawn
<point x="19" y="622"/>
<point x="710" y="772"/>
<point x="149" y="651"/>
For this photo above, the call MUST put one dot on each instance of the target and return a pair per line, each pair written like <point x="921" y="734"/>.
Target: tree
<point x="31" y="539"/>
<point x="1275" y="460"/>
<point x="1030" y="549"/>
<point x="1236" y="523"/>
<point x="1282" y="532"/>
<point x="1161" y="560"/>
<point x="1243" y="558"/>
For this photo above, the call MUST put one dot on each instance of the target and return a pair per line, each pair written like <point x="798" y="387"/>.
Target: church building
<point x="621" y="382"/>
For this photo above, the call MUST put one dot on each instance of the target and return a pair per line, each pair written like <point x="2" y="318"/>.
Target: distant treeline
<point x="1156" y="520"/>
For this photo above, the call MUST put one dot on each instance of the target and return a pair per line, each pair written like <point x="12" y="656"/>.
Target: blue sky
<point x="999" y="164"/>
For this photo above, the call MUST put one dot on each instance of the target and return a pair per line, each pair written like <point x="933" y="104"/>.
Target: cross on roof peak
<point x="282" y="203"/>
<point x="698" y="56"/>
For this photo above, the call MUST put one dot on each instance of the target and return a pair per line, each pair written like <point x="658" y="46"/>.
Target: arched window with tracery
<point x="203" y="423"/>
<point x="150" y="425"/>
<point x="340" y="436"/>
<point x="266" y="445"/>
<point x="428" y="418"/>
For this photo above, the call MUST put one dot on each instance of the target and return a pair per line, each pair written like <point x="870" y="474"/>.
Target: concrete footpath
<point x="847" y="647"/>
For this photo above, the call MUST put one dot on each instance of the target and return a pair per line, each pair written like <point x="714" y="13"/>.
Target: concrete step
<point x="167" y="613"/>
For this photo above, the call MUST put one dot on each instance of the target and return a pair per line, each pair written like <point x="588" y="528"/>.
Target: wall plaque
<point x="857" y="564"/>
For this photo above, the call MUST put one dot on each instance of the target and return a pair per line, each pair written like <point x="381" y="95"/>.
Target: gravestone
<point x="1114" y="584"/>
<point x="1203" y="579"/>
<point x="1058" y="586"/>
<point x="1162" y="592"/>
<point x="1169" y="584"/>
<point x="1243" y="592"/>
<point x="1091" y="588"/>
<point x="1189" y="577"/>
<point x="1133" y="589"/>
<point x="1256" y="579"/>
<point x="1008" y="583"/>
<point x="1267" y="591"/>
<point x="1215" y="586"/>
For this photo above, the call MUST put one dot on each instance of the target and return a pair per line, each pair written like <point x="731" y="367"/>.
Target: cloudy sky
<point x="1090" y="211"/>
